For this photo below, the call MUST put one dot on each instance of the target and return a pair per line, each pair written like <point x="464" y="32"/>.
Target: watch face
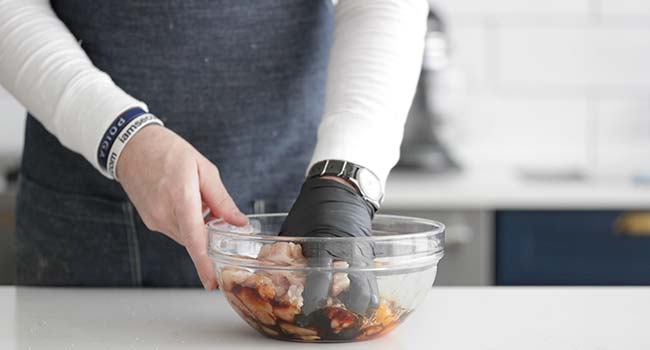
<point x="369" y="184"/>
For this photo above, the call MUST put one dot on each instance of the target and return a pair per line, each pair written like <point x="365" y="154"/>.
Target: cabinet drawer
<point x="569" y="248"/>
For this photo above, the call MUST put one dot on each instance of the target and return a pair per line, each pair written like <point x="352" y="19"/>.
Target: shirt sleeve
<point x="375" y="61"/>
<point x="44" y="67"/>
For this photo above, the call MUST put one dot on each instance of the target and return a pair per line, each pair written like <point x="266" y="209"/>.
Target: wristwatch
<point x="363" y="179"/>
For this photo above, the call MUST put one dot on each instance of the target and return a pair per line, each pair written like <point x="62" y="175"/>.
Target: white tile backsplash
<point x="525" y="131"/>
<point x="625" y="7"/>
<point x="469" y="51"/>
<point x="553" y="82"/>
<point x="481" y="7"/>
<point x="12" y="124"/>
<point x="584" y="57"/>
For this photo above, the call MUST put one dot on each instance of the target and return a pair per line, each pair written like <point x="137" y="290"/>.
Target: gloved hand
<point x="328" y="208"/>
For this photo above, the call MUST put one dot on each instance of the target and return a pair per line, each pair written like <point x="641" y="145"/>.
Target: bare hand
<point x="168" y="180"/>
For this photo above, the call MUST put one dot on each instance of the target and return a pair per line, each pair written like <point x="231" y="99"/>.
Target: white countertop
<point x="494" y="189"/>
<point x="451" y="318"/>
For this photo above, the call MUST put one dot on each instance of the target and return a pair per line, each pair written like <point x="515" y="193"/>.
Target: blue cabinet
<point x="568" y="248"/>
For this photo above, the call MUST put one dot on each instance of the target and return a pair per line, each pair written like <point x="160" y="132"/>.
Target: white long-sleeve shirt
<point x="374" y="65"/>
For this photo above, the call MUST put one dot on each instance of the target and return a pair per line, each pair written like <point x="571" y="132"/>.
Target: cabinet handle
<point x="636" y="224"/>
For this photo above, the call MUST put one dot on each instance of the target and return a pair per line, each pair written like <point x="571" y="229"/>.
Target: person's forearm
<point x="375" y="62"/>
<point x="44" y="67"/>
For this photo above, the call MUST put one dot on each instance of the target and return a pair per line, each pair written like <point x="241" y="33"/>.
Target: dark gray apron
<point x="241" y="80"/>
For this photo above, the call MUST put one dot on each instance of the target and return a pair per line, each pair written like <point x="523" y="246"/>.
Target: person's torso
<point x="242" y="80"/>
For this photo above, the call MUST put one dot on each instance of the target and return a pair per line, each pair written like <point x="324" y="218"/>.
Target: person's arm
<point x="374" y="65"/>
<point x="43" y="66"/>
<point x="167" y="180"/>
<point x="375" y="61"/>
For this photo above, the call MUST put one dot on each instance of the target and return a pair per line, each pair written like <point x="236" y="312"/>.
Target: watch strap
<point x="333" y="167"/>
<point x="346" y="170"/>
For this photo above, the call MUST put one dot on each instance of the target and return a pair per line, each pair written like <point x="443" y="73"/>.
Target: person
<point x="143" y="113"/>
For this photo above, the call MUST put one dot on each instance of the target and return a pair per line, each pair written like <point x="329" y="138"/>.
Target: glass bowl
<point x="263" y="276"/>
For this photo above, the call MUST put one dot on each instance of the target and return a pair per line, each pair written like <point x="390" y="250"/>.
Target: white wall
<point x="12" y="123"/>
<point x="559" y="83"/>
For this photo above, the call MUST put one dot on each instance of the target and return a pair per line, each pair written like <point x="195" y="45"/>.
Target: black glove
<point x="327" y="208"/>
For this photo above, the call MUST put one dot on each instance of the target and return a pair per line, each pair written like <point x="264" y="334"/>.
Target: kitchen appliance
<point x="422" y="149"/>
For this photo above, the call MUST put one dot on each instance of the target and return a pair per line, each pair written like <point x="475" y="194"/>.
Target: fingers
<point x="162" y="174"/>
<point x="216" y="196"/>
<point x="193" y="233"/>
<point x="362" y="297"/>
<point x="317" y="285"/>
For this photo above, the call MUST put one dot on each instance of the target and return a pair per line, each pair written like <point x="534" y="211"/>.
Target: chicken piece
<point x="239" y="306"/>
<point x="288" y="286"/>
<point x="262" y="284"/>
<point x="259" y="306"/>
<point x="309" y="337"/>
<point x="233" y="276"/>
<point x="293" y="296"/>
<point x="384" y="314"/>
<point x="286" y="312"/>
<point x="340" y="319"/>
<point x="299" y="331"/>
<point x="340" y="280"/>
<point x="294" y="278"/>
<point x="278" y="280"/>
<point x="370" y="332"/>
<point x="282" y="253"/>
<point x="269" y="331"/>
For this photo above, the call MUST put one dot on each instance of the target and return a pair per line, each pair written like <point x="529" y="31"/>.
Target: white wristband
<point x="124" y="137"/>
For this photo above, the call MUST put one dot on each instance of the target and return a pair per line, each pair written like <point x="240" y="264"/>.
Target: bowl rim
<point x="438" y="230"/>
<point x="389" y="264"/>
